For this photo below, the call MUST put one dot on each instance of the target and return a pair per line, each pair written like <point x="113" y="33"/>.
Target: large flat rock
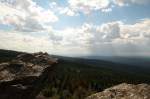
<point x="23" y="76"/>
<point x="124" y="91"/>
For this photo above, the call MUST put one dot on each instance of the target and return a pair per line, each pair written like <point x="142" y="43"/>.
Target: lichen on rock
<point x="22" y="76"/>
<point x="124" y="91"/>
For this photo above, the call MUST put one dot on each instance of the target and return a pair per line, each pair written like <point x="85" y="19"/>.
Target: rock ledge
<point x="23" y="76"/>
<point x="124" y="91"/>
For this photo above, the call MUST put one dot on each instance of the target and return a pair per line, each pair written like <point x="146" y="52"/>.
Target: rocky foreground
<point x="23" y="77"/>
<point x="124" y="91"/>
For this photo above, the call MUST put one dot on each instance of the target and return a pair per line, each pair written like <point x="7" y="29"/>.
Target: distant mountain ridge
<point x="116" y="66"/>
<point x="130" y="60"/>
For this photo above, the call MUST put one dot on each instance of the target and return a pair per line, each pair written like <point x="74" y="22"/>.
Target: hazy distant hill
<point x="139" y="61"/>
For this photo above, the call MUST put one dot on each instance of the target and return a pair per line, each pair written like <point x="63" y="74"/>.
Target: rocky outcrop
<point x="23" y="77"/>
<point x="124" y="91"/>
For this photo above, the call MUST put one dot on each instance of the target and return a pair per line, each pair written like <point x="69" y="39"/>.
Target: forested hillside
<point x="76" y="80"/>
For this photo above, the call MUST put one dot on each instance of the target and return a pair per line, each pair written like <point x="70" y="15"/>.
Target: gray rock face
<point x="124" y="91"/>
<point x="22" y="77"/>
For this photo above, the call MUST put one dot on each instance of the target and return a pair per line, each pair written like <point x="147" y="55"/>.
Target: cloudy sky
<point x="76" y="27"/>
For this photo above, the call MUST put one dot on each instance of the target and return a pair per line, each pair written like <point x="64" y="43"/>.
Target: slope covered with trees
<point x="77" y="80"/>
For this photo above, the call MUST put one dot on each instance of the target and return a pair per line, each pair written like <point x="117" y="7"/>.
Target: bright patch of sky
<point x="76" y="27"/>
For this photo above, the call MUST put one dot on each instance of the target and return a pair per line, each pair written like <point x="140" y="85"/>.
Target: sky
<point x="76" y="27"/>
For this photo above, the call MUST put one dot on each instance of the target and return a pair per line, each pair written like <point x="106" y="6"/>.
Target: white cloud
<point x="75" y="36"/>
<point x="62" y="10"/>
<point x="33" y="42"/>
<point x="104" y="5"/>
<point x="6" y="9"/>
<point x="136" y="30"/>
<point x="110" y="30"/>
<point x="107" y="10"/>
<point x="108" y="38"/>
<point x="22" y="42"/>
<point x="76" y="6"/>
<point x="89" y="34"/>
<point x="121" y="2"/>
<point x="92" y="4"/>
<point x="88" y="6"/>
<point x="128" y="2"/>
<point x="67" y="11"/>
<point x="123" y="39"/>
<point x="25" y="15"/>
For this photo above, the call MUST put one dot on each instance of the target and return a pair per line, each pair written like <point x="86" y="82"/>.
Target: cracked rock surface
<point x="124" y="91"/>
<point x="22" y="77"/>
